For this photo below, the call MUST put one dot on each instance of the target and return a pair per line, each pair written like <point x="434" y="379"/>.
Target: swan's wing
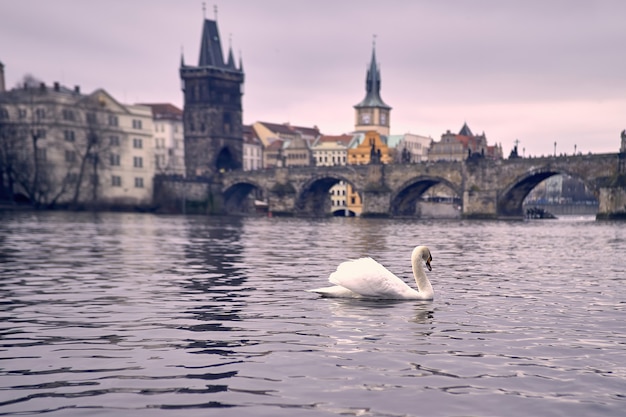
<point x="368" y="278"/>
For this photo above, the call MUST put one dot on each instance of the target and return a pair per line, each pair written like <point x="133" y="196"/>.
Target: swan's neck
<point x="423" y="284"/>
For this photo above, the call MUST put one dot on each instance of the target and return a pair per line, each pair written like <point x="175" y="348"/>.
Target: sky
<point x="533" y="71"/>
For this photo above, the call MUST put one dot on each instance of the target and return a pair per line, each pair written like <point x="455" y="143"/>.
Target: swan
<point x="366" y="278"/>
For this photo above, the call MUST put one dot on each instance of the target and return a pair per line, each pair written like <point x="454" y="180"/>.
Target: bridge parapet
<point x="488" y="188"/>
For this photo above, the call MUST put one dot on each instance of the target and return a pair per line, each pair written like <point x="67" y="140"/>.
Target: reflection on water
<point x="128" y="314"/>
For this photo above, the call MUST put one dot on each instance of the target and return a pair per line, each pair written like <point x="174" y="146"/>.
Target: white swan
<point x="366" y="278"/>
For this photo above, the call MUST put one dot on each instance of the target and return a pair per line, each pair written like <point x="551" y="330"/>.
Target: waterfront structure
<point x="332" y="150"/>
<point x="488" y="188"/>
<point x="463" y="145"/>
<point x="252" y="150"/>
<point x="212" y="114"/>
<point x="372" y="113"/>
<point x="64" y="148"/>
<point x="409" y="148"/>
<point x="169" y="146"/>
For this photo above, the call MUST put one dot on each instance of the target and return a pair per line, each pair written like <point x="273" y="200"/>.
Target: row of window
<point x="116" y="181"/>
<point x="69" y="115"/>
<point x="114" y="159"/>
<point x="334" y="159"/>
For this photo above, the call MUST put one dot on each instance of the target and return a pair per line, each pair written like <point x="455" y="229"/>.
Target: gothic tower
<point x="372" y="113"/>
<point x="212" y="114"/>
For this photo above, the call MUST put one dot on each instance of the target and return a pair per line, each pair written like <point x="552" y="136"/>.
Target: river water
<point x="118" y="314"/>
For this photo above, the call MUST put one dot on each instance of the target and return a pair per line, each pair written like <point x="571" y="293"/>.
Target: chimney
<point x="77" y="89"/>
<point x="56" y="86"/>
<point x="42" y="86"/>
<point x="2" y="88"/>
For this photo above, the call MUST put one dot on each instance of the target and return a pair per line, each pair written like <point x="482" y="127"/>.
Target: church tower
<point x="212" y="114"/>
<point x="372" y="113"/>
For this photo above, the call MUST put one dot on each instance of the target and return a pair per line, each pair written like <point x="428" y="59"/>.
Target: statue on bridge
<point x="622" y="148"/>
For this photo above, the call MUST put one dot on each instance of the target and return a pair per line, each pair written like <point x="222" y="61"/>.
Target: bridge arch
<point x="313" y="198"/>
<point x="239" y="197"/>
<point x="404" y="200"/>
<point x="511" y="198"/>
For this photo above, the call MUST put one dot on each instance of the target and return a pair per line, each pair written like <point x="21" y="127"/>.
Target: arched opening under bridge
<point x="426" y="197"/>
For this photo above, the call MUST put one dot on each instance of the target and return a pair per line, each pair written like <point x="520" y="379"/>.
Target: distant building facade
<point x="64" y="148"/>
<point x="372" y="149"/>
<point x="252" y="150"/>
<point x="409" y="148"/>
<point x="285" y="144"/>
<point x="212" y="113"/>
<point x="169" y="146"/>
<point x="463" y="145"/>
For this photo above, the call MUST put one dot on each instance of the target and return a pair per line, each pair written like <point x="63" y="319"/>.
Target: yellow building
<point x="372" y="149"/>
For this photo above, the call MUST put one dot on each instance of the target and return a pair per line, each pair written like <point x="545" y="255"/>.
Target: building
<point x="463" y="145"/>
<point x="372" y="149"/>
<point x="295" y="143"/>
<point x="252" y="150"/>
<point x="212" y="114"/>
<point x="268" y="132"/>
<point x="409" y="148"/>
<point x="169" y="146"/>
<point x="372" y="113"/>
<point x="273" y="154"/>
<point x="64" y="148"/>
<point x="330" y="151"/>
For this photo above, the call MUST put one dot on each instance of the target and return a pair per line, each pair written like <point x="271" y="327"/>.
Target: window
<point x="137" y="143"/>
<point x="138" y="182"/>
<point x="91" y="117"/>
<point x="40" y="133"/>
<point x="4" y="113"/>
<point x="70" y="156"/>
<point x="115" y="160"/>
<point x="40" y="113"/>
<point x="138" y="162"/>
<point x="113" y="121"/>
<point x="136" y="124"/>
<point x="69" y="135"/>
<point x="68" y="114"/>
<point x="116" y="181"/>
<point x="115" y="141"/>
<point x="21" y="113"/>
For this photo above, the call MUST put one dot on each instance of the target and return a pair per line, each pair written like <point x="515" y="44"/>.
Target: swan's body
<point x="366" y="278"/>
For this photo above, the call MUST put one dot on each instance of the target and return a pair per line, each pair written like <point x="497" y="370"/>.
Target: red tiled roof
<point x="345" y="139"/>
<point x="164" y="111"/>
<point x="288" y="129"/>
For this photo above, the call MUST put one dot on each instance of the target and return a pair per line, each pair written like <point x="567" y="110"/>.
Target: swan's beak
<point x="430" y="258"/>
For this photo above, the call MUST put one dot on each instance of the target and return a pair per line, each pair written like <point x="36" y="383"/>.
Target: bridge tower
<point x="372" y="113"/>
<point x="212" y="114"/>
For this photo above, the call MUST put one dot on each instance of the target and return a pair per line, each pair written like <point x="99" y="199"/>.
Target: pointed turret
<point x="372" y="86"/>
<point x="465" y="130"/>
<point x="231" y="60"/>
<point x="210" y="47"/>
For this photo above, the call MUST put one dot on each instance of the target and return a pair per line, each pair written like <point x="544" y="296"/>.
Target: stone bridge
<point x="487" y="188"/>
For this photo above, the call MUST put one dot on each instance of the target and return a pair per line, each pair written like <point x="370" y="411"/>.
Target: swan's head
<point x="422" y="253"/>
